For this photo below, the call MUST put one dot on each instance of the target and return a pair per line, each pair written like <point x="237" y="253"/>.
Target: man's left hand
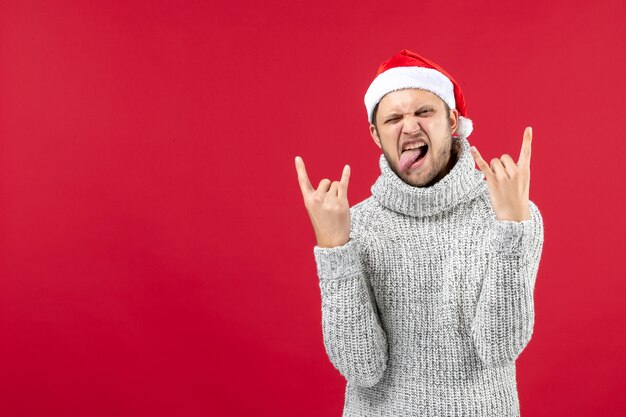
<point x="509" y="182"/>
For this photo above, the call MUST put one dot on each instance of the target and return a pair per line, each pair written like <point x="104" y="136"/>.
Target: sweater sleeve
<point x="354" y="340"/>
<point x="503" y="324"/>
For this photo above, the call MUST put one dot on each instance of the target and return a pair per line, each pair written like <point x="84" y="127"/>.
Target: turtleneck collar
<point x="463" y="183"/>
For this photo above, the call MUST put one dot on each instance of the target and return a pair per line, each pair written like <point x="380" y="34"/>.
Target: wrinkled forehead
<point x="408" y="99"/>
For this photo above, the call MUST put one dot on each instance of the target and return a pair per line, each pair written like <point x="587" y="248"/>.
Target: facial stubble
<point x="448" y="154"/>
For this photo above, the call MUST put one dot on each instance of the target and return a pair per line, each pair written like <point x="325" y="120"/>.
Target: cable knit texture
<point x="427" y="307"/>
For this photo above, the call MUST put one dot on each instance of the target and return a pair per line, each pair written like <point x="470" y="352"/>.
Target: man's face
<point x="414" y="132"/>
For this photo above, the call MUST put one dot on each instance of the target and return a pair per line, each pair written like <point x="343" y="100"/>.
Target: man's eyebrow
<point x="394" y="113"/>
<point x="426" y="106"/>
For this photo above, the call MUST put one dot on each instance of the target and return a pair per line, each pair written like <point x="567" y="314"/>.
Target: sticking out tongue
<point x="409" y="157"/>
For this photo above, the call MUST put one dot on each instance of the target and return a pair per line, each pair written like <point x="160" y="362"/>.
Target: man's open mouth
<point x="411" y="155"/>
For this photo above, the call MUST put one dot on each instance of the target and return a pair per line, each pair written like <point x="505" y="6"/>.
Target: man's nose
<point x="411" y="124"/>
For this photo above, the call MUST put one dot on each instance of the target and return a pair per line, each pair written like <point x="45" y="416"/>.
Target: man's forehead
<point x="398" y="99"/>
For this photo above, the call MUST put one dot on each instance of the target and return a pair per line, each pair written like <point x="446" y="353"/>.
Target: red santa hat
<point x="409" y="70"/>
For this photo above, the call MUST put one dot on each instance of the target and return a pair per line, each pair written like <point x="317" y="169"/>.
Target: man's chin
<point x="416" y="182"/>
<point x="413" y="179"/>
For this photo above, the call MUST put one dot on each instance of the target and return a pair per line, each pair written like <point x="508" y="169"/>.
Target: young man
<point x="427" y="285"/>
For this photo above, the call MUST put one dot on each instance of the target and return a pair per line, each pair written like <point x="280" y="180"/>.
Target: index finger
<point x="303" y="178"/>
<point x="524" y="155"/>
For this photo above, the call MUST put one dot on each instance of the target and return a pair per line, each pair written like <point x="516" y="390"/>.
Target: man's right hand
<point x="327" y="206"/>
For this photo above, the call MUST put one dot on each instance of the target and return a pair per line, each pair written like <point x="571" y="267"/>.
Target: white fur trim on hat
<point x="399" y="78"/>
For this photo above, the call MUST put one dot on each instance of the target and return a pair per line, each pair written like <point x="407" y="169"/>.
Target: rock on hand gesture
<point x="509" y="182"/>
<point x="327" y="206"/>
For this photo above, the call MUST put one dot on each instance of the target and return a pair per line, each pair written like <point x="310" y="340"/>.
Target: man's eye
<point x="392" y="120"/>
<point x="423" y="112"/>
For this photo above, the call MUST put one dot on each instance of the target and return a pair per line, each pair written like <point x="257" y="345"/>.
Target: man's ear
<point x="454" y="120"/>
<point x="374" y="133"/>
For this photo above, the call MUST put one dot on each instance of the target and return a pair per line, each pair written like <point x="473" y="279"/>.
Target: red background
<point x="155" y="255"/>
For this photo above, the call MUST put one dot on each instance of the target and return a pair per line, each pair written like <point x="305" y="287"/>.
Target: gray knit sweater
<point x="427" y="307"/>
